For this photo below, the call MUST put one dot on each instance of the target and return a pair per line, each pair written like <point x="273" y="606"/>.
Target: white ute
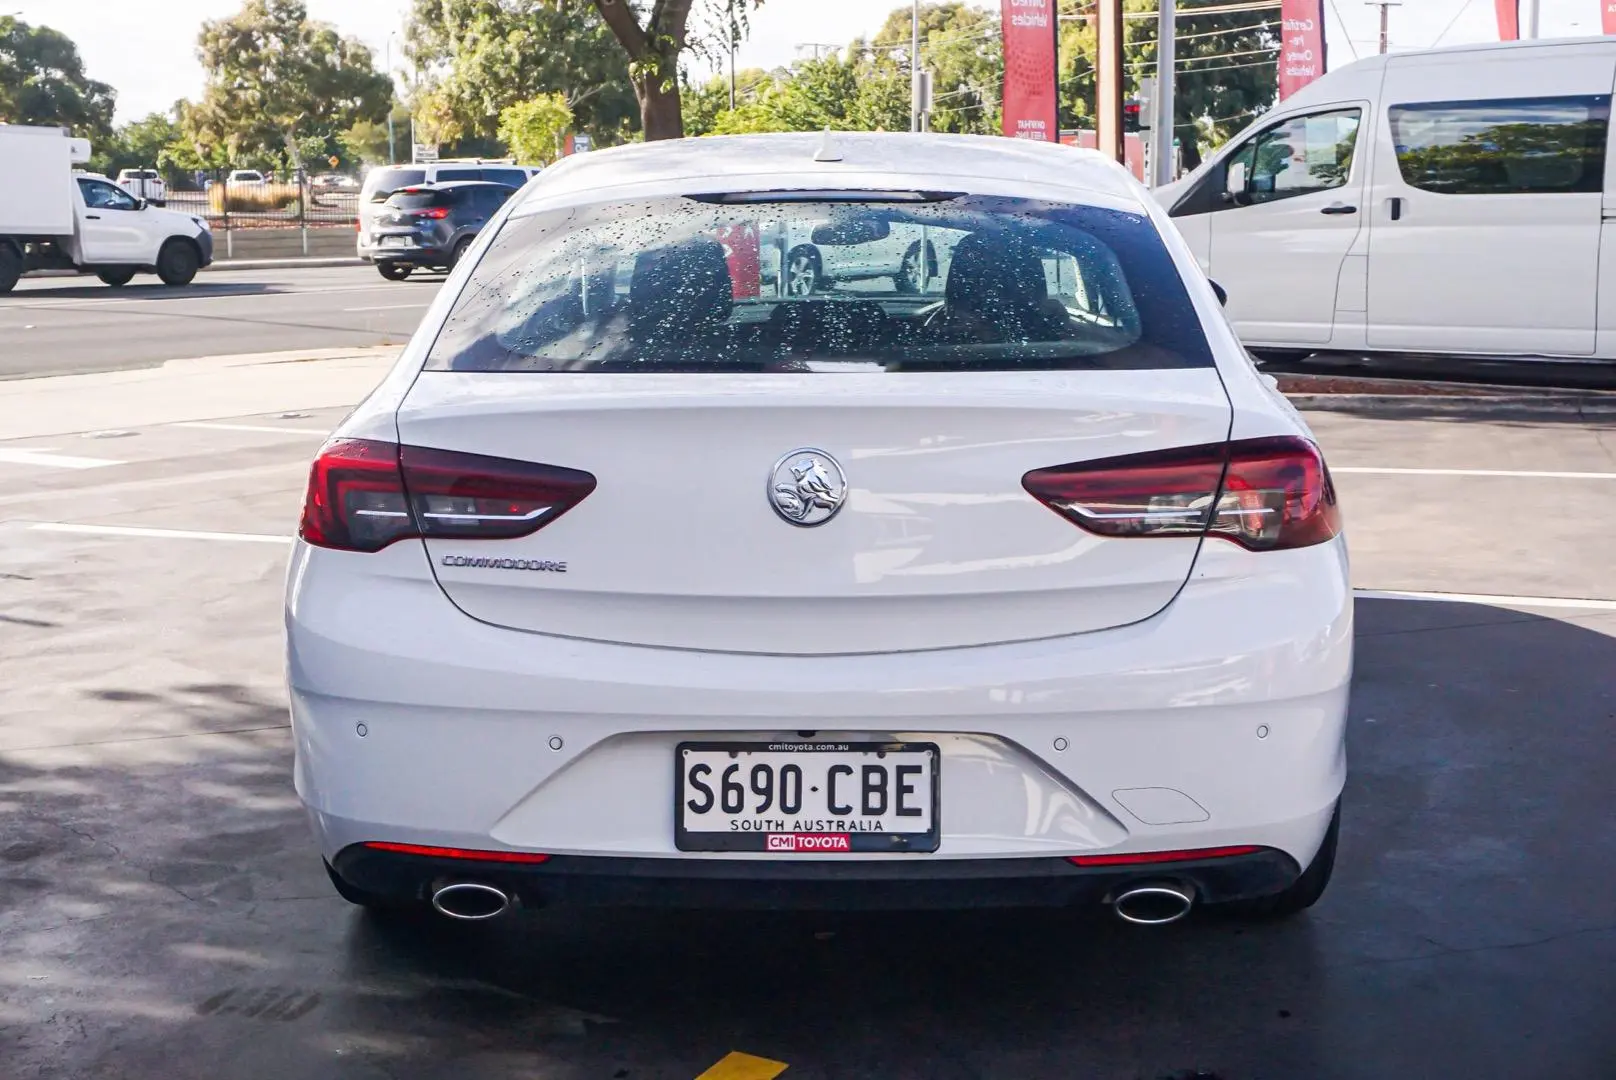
<point x="52" y="218"/>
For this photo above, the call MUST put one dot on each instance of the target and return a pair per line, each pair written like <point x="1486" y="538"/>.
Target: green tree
<point x="655" y="35"/>
<point x="1225" y="70"/>
<point x="490" y="54"/>
<point x="42" y="81"/>
<point x="136" y="145"/>
<point x="961" y="46"/>
<point x="277" y="83"/>
<point x="533" y="129"/>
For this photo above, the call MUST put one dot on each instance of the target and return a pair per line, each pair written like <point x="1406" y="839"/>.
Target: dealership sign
<point x="1301" y="48"/>
<point x="1029" y="70"/>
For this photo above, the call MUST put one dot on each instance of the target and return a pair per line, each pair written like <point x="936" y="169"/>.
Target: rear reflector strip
<point x="456" y="853"/>
<point x="1146" y="858"/>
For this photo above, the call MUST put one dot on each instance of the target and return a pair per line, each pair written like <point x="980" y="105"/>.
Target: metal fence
<point x="284" y="217"/>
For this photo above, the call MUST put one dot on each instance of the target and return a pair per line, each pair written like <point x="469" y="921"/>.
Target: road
<point x="164" y="916"/>
<point x="59" y="326"/>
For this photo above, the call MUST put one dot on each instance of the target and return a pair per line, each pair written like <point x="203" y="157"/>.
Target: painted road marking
<point x="738" y="1066"/>
<point x="390" y="307"/>
<point x="171" y="298"/>
<point x="166" y="534"/>
<point x="44" y="456"/>
<point x="207" y="426"/>
<point x="1490" y="599"/>
<point x="1530" y="474"/>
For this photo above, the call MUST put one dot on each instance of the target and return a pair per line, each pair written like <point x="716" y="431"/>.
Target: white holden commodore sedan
<point x="642" y="579"/>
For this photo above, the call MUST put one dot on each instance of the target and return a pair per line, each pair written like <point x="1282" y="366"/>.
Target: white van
<point x="1455" y="201"/>
<point x="383" y="180"/>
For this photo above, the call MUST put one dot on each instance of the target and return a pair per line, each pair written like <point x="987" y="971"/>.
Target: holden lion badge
<point x="807" y="487"/>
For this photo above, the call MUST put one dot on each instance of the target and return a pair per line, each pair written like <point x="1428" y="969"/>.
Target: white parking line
<point x="1532" y="474"/>
<point x="208" y="426"/>
<point x="166" y="534"/>
<point x="1488" y="598"/>
<point x="43" y="456"/>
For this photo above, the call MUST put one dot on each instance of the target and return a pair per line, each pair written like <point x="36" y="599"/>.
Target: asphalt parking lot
<point x="63" y="325"/>
<point x="163" y="915"/>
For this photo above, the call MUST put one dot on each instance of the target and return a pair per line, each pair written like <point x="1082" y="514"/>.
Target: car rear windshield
<point x="934" y="283"/>
<point x="417" y="199"/>
<point x="380" y="183"/>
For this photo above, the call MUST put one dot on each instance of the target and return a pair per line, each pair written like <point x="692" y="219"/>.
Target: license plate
<point x="806" y="797"/>
<point x="395" y="241"/>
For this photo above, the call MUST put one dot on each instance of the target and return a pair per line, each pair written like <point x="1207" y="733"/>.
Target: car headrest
<point x="679" y="289"/>
<point x="995" y="275"/>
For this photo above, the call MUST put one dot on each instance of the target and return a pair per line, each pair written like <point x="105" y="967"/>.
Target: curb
<point x="311" y="263"/>
<point x="1565" y="405"/>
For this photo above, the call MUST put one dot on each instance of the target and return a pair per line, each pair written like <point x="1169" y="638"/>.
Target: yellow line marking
<point x="738" y="1066"/>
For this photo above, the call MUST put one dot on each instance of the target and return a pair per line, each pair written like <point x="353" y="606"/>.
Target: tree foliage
<point x="962" y="47"/>
<point x="483" y="56"/>
<point x="42" y="81"/>
<point x="534" y="128"/>
<point x="141" y="144"/>
<point x="1225" y="69"/>
<point x="278" y="83"/>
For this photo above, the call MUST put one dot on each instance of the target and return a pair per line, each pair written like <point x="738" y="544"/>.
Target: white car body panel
<point x="1201" y="701"/>
<point x="1473" y="274"/>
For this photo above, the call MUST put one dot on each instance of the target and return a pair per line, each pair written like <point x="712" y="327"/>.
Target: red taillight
<point x="1146" y="858"/>
<point x="432" y="212"/>
<point x="457" y="853"/>
<point x="364" y="494"/>
<point x="1264" y="494"/>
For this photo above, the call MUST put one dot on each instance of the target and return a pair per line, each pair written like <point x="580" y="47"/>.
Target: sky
<point x="148" y="50"/>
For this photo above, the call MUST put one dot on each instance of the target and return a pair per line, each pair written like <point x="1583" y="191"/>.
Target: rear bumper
<point x="1219" y="721"/>
<point x="909" y="883"/>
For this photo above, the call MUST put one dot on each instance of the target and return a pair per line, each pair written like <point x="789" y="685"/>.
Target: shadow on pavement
<point x="164" y="915"/>
<point x="145" y="287"/>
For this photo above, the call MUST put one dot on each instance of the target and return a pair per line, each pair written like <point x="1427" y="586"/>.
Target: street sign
<point x="423" y="153"/>
<point x="581" y="144"/>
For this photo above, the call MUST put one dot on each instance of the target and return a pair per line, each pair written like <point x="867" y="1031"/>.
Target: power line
<point x="1345" y="33"/>
<point x="1464" y="7"/>
<point x="1186" y="12"/>
<point x="1219" y="56"/>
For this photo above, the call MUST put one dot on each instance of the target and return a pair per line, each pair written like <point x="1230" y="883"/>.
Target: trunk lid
<point x="936" y="544"/>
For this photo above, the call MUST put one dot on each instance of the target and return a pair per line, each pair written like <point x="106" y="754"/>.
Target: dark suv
<point x="433" y="224"/>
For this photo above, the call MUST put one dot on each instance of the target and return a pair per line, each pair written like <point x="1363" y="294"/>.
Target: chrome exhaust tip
<point x="470" y="901"/>
<point x="1156" y="904"/>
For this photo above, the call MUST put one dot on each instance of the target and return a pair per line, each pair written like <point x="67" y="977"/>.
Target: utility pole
<point x="914" y="67"/>
<point x="392" y="99"/>
<point x="1529" y="27"/>
<point x="1385" y="7"/>
<point x="1161" y="132"/>
<point x="1108" y="80"/>
<point x="732" y="69"/>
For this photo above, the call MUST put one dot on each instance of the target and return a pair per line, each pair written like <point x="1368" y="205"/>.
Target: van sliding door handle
<point x="1338" y="208"/>
<point x="1396" y="208"/>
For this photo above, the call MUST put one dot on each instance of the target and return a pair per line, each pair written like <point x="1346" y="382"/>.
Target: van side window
<point x="1301" y="156"/>
<point x="1513" y="146"/>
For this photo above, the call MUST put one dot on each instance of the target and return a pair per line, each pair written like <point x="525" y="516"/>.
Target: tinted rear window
<point x="509" y="177"/>
<point x="694" y="285"/>
<point x="445" y="175"/>
<point x="415" y="200"/>
<point x="380" y="183"/>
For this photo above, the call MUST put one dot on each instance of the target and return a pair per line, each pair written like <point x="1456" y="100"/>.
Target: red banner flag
<point x="1029" y="70"/>
<point x="1301" y="48"/>
<point x="1509" y="19"/>
<point x="1608" y="10"/>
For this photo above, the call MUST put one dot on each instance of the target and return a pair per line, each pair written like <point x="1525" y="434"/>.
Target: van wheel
<point x="177" y="263"/>
<point x="10" y="267"/>
<point x="393" y="271"/>
<point x="459" y="252"/>
<point x="116" y="278"/>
